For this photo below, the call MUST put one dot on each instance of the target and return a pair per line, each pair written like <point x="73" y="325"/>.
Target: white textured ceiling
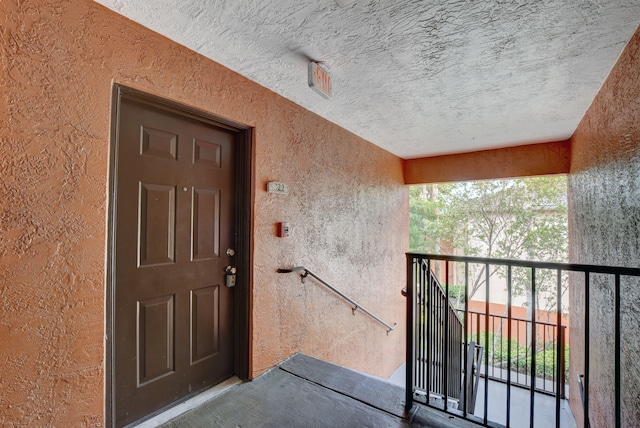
<point x="416" y="77"/>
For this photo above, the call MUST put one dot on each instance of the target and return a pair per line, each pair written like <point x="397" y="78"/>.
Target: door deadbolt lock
<point x="231" y="252"/>
<point x="230" y="277"/>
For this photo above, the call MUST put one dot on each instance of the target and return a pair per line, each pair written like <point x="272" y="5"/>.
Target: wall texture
<point x="519" y="161"/>
<point x="459" y="85"/>
<point x="604" y="227"/>
<point x="348" y="210"/>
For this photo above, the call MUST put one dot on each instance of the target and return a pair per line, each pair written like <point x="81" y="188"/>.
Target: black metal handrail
<point x="356" y="305"/>
<point x="583" y="279"/>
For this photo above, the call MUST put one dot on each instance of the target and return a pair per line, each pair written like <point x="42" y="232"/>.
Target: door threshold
<point x="190" y="404"/>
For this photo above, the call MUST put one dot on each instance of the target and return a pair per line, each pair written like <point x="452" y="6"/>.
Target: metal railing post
<point x="468" y="367"/>
<point x="445" y="362"/>
<point x="618" y="368"/>
<point x="532" y="397"/>
<point x="410" y="344"/>
<point x="560" y="349"/>
<point x="509" y="315"/>
<point x="429" y="335"/>
<point x="585" y="403"/>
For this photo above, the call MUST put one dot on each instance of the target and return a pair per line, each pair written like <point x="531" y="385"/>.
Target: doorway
<point x="177" y="318"/>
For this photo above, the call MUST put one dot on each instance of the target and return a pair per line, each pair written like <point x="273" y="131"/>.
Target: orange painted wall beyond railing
<point x="477" y="310"/>
<point x="508" y="162"/>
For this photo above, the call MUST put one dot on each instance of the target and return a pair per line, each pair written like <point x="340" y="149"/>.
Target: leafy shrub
<point x="520" y="356"/>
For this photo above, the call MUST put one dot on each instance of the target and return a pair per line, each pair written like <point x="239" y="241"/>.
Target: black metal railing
<point x="547" y="340"/>
<point x="534" y="280"/>
<point x="440" y="345"/>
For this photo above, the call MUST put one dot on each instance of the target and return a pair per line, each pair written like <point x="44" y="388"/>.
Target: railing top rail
<point x="356" y="305"/>
<point x="612" y="270"/>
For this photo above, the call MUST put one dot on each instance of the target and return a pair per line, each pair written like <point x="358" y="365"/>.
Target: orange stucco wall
<point x="520" y="319"/>
<point x="508" y="162"/>
<point x="604" y="228"/>
<point x="347" y="207"/>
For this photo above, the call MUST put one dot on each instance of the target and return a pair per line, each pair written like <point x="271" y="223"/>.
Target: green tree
<point x="510" y="219"/>
<point x="506" y="219"/>
<point x="423" y="218"/>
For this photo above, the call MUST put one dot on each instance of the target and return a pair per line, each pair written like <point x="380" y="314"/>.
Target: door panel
<point x="155" y="339"/>
<point x="204" y="323"/>
<point x="173" y="317"/>
<point x="156" y="224"/>
<point x="205" y="232"/>
<point x="207" y="154"/>
<point x="158" y="143"/>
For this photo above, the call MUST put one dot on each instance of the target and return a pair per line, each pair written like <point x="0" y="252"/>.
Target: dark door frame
<point x="243" y="211"/>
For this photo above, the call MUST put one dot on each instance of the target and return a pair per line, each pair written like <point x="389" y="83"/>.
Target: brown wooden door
<point x="173" y="314"/>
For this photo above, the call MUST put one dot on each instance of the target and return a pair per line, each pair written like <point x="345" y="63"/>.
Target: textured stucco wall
<point x="604" y="227"/>
<point x="348" y="209"/>
<point x="519" y="161"/>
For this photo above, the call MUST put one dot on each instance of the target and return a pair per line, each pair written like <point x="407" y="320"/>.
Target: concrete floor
<point x="305" y="392"/>
<point x="545" y="405"/>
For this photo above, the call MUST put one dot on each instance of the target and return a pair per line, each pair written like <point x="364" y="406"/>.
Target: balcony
<point x="501" y="369"/>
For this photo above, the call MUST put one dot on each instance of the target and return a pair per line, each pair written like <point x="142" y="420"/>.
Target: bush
<point x="521" y="356"/>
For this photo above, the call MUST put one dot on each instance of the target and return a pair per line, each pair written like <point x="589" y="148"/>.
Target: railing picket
<point x="544" y="359"/>
<point x="617" y="328"/>
<point x="478" y="327"/>
<point x="424" y="338"/>
<point x="585" y="404"/>
<point x="518" y="336"/>
<point x="555" y="348"/>
<point x="486" y="346"/>
<point x="533" y="348"/>
<point x="420" y="339"/>
<point x="466" y="339"/>
<point x="558" y="354"/>
<point x="440" y="341"/>
<point x="435" y="372"/>
<point x="509" y="314"/>
<point x="445" y="365"/>
<point x="492" y="322"/>
<point x="429" y="334"/>
<point x="563" y="362"/>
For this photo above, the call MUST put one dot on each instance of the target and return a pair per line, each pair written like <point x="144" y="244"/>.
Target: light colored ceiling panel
<point x="415" y="77"/>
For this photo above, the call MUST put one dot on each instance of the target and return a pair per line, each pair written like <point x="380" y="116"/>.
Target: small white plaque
<point x="277" y="187"/>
